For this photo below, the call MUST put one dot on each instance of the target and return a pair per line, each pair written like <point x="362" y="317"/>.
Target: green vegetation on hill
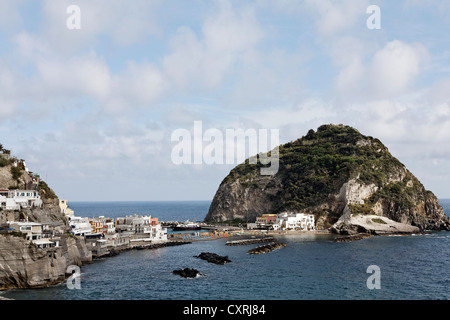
<point x="16" y="172"/>
<point x="46" y="191"/>
<point x="318" y="164"/>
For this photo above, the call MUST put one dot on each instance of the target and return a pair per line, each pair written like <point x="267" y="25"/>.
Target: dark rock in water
<point x="267" y="248"/>
<point x="187" y="272"/>
<point x="213" y="258"/>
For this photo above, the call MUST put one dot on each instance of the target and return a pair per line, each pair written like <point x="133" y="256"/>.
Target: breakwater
<point x="250" y="241"/>
<point x="115" y="250"/>
<point x="267" y="248"/>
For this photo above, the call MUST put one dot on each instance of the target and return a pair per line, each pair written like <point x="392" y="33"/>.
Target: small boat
<point x="186" y="226"/>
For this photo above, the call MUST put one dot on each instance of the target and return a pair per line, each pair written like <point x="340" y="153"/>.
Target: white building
<point x="17" y="199"/>
<point x="32" y="230"/>
<point x="142" y="227"/>
<point x="294" y="221"/>
<point x="159" y="233"/>
<point x="80" y="226"/>
<point x="109" y="228"/>
<point x="36" y="233"/>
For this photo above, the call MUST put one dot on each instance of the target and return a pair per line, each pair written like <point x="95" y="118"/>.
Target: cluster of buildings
<point x="101" y="234"/>
<point x="106" y="234"/>
<point x="284" y="221"/>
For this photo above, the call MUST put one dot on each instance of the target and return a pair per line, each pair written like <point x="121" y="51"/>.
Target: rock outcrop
<point x="340" y="176"/>
<point x="187" y="273"/>
<point x="213" y="258"/>
<point x="23" y="265"/>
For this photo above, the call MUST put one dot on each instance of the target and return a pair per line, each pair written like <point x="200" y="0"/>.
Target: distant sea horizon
<point x="180" y="210"/>
<point x="170" y="210"/>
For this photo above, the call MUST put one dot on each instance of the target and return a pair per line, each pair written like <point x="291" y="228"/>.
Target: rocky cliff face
<point x="23" y="265"/>
<point x="337" y="174"/>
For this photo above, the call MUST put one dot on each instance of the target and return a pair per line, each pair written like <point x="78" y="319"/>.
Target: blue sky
<point x="93" y="109"/>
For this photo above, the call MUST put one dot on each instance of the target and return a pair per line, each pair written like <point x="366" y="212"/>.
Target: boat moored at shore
<point x="187" y="225"/>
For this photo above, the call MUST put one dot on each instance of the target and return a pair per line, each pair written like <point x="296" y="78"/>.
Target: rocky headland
<point x="350" y="182"/>
<point x="22" y="263"/>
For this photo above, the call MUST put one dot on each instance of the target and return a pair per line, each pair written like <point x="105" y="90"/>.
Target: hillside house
<point x="37" y="233"/>
<point x="18" y="199"/>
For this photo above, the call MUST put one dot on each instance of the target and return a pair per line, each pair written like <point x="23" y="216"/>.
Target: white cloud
<point x="137" y="87"/>
<point x="334" y="17"/>
<point x="389" y="72"/>
<point x="8" y="90"/>
<point x="229" y="66"/>
<point x="394" y="68"/>
<point x="10" y="18"/>
<point x="439" y="92"/>
<point x="117" y="20"/>
<point x="86" y="75"/>
<point x="226" y="37"/>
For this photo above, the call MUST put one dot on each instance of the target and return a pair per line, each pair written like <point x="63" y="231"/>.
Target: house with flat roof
<point x="295" y="221"/>
<point x="33" y="230"/>
<point x="17" y="199"/>
<point x="37" y="233"/>
<point x="80" y="226"/>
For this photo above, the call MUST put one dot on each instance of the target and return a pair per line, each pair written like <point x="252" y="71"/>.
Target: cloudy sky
<point x="92" y="109"/>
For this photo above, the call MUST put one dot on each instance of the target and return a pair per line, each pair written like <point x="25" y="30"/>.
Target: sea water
<point x="311" y="266"/>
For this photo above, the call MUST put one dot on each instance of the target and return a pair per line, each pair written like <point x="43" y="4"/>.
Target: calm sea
<point x="310" y="267"/>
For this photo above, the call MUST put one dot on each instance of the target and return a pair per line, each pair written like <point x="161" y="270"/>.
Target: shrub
<point x="46" y="190"/>
<point x="14" y="234"/>
<point x="3" y="162"/>
<point x="378" y="220"/>
<point x="16" y="172"/>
